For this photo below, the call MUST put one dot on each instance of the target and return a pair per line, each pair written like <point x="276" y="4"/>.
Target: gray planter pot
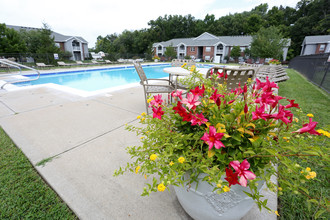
<point x="202" y="203"/>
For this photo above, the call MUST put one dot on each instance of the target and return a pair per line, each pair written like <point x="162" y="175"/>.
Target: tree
<point x="170" y="52"/>
<point x="235" y="52"/>
<point x="268" y="42"/>
<point x="11" y="41"/>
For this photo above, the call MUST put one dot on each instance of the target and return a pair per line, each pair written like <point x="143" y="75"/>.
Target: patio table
<point x="179" y="71"/>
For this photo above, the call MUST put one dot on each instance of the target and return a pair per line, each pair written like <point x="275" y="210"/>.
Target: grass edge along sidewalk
<point x="314" y="100"/>
<point x="23" y="193"/>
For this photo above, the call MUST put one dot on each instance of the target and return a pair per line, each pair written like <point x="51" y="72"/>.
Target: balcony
<point x="76" y="48"/>
<point x="219" y="51"/>
<point x="182" y="50"/>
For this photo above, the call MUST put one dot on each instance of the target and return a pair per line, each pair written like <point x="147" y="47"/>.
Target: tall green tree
<point x="11" y="41"/>
<point x="235" y="52"/>
<point x="170" y="52"/>
<point x="268" y="43"/>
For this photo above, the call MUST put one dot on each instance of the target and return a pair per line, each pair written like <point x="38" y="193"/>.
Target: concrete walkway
<point x="86" y="139"/>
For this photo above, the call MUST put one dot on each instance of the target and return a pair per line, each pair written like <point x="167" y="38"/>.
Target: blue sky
<point x="89" y="19"/>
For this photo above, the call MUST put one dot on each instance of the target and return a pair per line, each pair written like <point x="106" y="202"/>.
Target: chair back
<point x="234" y="76"/>
<point x="141" y="73"/>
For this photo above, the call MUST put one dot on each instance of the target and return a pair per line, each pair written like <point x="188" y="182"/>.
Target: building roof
<point x="316" y="39"/>
<point x="207" y="39"/>
<point x="57" y="36"/>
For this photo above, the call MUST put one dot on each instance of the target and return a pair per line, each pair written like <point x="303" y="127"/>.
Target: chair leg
<point x="146" y="102"/>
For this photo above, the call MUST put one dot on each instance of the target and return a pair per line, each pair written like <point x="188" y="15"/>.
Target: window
<point x="57" y="45"/>
<point x="207" y="49"/>
<point x="192" y="49"/>
<point x="159" y="47"/>
<point x="322" y="47"/>
<point x="242" y="49"/>
<point x="220" y="47"/>
<point x="182" y="47"/>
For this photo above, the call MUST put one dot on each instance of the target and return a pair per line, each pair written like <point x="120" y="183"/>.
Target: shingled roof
<point x="208" y="40"/>
<point x="57" y="36"/>
<point x="316" y="39"/>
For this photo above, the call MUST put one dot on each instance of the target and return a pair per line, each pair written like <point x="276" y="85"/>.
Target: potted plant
<point x="156" y="58"/>
<point x="226" y="139"/>
<point x="274" y="62"/>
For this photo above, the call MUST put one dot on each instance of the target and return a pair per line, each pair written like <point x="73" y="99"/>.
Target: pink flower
<point x="283" y="115"/>
<point x="213" y="138"/>
<point x="158" y="112"/>
<point x="292" y="104"/>
<point x="242" y="171"/>
<point x="310" y="128"/>
<point x="191" y="101"/>
<point x="157" y="101"/>
<point x="259" y="113"/>
<point x="198" y="119"/>
<point x="177" y="93"/>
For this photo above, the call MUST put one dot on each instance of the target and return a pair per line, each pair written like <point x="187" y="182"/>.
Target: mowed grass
<point x="23" y="193"/>
<point x="311" y="100"/>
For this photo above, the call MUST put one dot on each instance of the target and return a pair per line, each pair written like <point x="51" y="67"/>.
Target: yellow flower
<point x="311" y="175"/>
<point x="181" y="159"/>
<point x="280" y="189"/>
<point x="171" y="163"/>
<point x="249" y="80"/>
<point x="183" y="65"/>
<point x="142" y="137"/>
<point x="310" y="115"/>
<point x="161" y="187"/>
<point x="153" y="157"/>
<point x="276" y="212"/>
<point x="145" y="176"/>
<point x="226" y="189"/>
<point x="142" y="119"/>
<point x="308" y="169"/>
<point x="296" y="119"/>
<point x="219" y="185"/>
<point x="138" y="117"/>
<point x="149" y="100"/>
<point x="137" y="169"/>
<point x="325" y="133"/>
<point x="144" y="114"/>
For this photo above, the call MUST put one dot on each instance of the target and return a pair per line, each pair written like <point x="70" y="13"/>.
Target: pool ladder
<point x="10" y="63"/>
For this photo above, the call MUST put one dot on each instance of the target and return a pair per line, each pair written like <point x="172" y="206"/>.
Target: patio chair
<point x="234" y="76"/>
<point x="95" y="62"/>
<point x="108" y="62"/>
<point x="42" y="65"/>
<point x="61" y="63"/>
<point x="162" y="86"/>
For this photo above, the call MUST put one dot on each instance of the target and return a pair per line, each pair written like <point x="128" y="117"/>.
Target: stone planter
<point x="202" y="203"/>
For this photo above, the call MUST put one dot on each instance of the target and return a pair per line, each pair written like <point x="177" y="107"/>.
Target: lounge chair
<point x="82" y="63"/>
<point x="95" y="62"/>
<point x="108" y="62"/>
<point x="153" y="87"/>
<point x="61" y="63"/>
<point x="234" y="76"/>
<point x="42" y="65"/>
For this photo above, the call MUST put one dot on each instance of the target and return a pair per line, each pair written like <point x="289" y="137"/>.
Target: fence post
<point x="325" y="74"/>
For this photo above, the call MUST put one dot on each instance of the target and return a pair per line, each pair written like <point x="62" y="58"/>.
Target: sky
<point x="92" y="18"/>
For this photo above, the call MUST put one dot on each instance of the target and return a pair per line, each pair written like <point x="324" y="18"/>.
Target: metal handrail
<point x="17" y="65"/>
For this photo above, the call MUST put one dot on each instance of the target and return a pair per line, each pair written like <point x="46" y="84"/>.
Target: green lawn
<point x="23" y="193"/>
<point x="312" y="100"/>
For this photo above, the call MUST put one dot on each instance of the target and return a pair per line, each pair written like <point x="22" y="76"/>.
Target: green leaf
<point x="320" y="212"/>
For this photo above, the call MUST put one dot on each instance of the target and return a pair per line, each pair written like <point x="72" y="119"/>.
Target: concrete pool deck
<point x="87" y="139"/>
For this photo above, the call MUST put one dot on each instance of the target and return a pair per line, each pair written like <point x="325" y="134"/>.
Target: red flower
<point x="231" y="177"/>
<point x="198" y="91"/>
<point x="198" y="119"/>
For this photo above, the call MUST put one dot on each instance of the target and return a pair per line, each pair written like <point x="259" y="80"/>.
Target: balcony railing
<point x="219" y="51"/>
<point x="76" y="48"/>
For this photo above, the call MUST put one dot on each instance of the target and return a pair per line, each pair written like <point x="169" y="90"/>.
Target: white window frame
<point x="207" y="49"/>
<point x="192" y="49"/>
<point x="322" y="47"/>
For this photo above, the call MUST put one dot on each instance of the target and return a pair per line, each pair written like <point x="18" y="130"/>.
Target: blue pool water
<point x="93" y="80"/>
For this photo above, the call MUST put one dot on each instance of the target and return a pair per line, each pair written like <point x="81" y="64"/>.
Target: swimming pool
<point x="91" y="80"/>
